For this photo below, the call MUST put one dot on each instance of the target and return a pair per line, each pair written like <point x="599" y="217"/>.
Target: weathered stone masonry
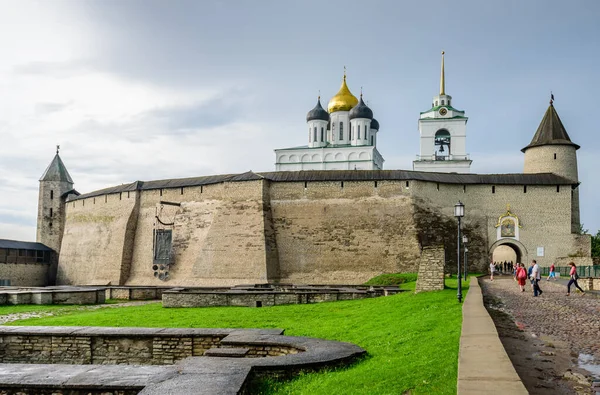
<point x="344" y="227"/>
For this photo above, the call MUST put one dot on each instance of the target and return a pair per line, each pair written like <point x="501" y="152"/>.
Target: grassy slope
<point x="412" y="340"/>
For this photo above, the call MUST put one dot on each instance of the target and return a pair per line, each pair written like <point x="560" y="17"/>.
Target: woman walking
<point x="573" y="280"/>
<point x="521" y="276"/>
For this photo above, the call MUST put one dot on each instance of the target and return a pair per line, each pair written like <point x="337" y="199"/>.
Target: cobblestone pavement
<point x="573" y="319"/>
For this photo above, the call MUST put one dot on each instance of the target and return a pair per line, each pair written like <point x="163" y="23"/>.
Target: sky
<point x="145" y="90"/>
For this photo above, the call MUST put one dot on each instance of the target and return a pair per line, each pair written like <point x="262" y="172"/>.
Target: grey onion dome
<point x="317" y="113"/>
<point x="361" y="110"/>
<point x="374" y="124"/>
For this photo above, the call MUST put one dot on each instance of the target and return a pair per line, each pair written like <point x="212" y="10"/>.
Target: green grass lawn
<point x="411" y="340"/>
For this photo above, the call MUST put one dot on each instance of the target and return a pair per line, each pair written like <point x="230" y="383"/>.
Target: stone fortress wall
<point x="257" y="230"/>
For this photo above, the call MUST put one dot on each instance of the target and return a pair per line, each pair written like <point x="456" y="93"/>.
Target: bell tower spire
<point x="442" y="78"/>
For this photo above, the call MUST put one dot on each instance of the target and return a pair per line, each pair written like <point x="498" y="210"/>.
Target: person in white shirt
<point x="492" y="270"/>
<point x="536" y="276"/>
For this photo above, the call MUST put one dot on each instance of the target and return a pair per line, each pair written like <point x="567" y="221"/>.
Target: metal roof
<point x="341" y="175"/>
<point x="551" y="131"/>
<point x="23" y="245"/>
<point x="56" y="171"/>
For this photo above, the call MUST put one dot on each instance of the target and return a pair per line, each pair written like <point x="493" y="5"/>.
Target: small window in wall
<point x="120" y="195"/>
<point x="524" y="188"/>
<point x="493" y="189"/>
<point x="51" y="212"/>
<point x="305" y="184"/>
<point x="322" y="134"/>
<point x="342" y="184"/>
<point x="181" y="191"/>
<point x="554" y="156"/>
<point x="160" y="191"/>
<point x="341" y="130"/>
<point x="94" y="201"/>
<point x="558" y="188"/>
<point x="105" y="198"/>
<point x="464" y="189"/>
<point x="375" y="184"/>
<point x="201" y="188"/>
<point x="127" y="194"/>
<point x="83" y="202"/>
<point x="52" y="192"/>
<point x="50" y="224"/>
<point x="437" y="186"/>
<point x="407" y="184"/>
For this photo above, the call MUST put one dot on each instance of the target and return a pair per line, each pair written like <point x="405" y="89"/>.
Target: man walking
<point x="536" y="275"/>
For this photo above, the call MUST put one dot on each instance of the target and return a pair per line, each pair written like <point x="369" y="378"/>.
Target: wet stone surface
<point x="545" y="335"/>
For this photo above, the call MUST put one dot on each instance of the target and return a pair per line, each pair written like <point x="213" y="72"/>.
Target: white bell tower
<point x="443" y="132"/>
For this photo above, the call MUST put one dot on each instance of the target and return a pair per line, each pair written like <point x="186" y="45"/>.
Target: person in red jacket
<point x="552" y="273"/>
<point x="521" y="276"/>
<point x="573" y="280"/>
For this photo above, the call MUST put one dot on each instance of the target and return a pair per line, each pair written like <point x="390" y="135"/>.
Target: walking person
<point x="574" y="278"/>
<point x="492" y="270"/>
<point x="536" y="274"/>
<point x="552" y="273"/>
<point x="521" y="276"/>
<point x="529" y="271"/>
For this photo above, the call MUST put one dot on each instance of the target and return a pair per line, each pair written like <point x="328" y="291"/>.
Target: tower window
<point x="558" y="188"/>
<point x="309" y="134"/>
<point x="443" y="102"/>
<point x="315" y="134"/>
<point x="181" y="191"/>
<point x="358" y="132"/>
<point x="322" y="134"/>
<point x="554" y="156"/>
<point x="524" y="188"/>
<point x="341" y="130"/>
<point x="342" y="184"/>
<point x="493" y="189"/>
<point x="375" y="184"/>
<point x="372" y="140"/>
<point x="407" y="184"/>
<point x="436" y="103"/>
<point x="51" y="212"/>
<point x="52" y="193"/>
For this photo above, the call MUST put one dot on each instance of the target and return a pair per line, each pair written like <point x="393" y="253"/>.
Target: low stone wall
<point x="276" y="295"/>
<point x="25" y="274"/>
<point x="136" y="293"/>
<point x="51" y="295"/>
<point x="127" y="346"/>
<point x="219" y="373"/>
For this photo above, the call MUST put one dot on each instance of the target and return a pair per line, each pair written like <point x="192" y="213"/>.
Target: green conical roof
<point x="551" y="131"/>
<point x="56" y="171"/>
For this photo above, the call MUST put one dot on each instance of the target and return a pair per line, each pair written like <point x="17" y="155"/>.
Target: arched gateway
<point x="518" y="248"/>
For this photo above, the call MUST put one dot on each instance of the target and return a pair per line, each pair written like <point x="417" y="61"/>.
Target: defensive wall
<point x="308" y="227"/>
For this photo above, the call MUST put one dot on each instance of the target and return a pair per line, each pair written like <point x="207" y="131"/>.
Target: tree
<point x="596" y="244"/>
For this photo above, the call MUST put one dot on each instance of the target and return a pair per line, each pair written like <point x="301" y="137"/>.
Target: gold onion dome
<point x="344" y="100"/>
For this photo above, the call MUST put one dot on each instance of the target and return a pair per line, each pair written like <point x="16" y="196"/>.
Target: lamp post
<point x="465" y="241"/>
<point x="459" y="212"/>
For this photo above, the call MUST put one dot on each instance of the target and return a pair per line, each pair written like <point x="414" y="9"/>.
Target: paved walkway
<point x="483" y="365"/>
<point x="573" y="319"/>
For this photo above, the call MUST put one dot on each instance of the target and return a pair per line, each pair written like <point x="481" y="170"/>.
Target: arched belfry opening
<point x="442" y="144"/>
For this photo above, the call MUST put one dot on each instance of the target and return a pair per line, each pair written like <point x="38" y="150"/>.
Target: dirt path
<point x="21" y="316"/>
<point x="545" y="336"/>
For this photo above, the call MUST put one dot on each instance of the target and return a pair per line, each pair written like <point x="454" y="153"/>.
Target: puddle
<point x="587" y="362"/>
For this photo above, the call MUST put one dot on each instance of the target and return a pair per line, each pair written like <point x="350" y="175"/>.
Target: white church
<point x="345" y="137"/>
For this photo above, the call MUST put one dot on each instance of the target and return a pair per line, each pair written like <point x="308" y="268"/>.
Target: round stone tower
<point x="552" y="151"/>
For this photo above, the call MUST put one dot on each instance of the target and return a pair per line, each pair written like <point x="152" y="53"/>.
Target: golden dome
<point x="344" y="100"/>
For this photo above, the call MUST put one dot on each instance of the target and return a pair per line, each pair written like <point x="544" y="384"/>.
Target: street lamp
<point x="465" y="241"/>
<point x="459" y="212"/>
